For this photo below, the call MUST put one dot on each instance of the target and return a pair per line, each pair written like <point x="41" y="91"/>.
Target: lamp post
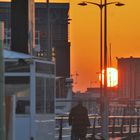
<point x="49" y="49"/>
<point x="103" y="91"/>
<point x="2" y="94"/>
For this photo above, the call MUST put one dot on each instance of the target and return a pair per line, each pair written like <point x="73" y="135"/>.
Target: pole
<point x="110" y="55"/>
<point x="2" y="95"/>
<point x="49" y="50"/>
<point x="104" y="111"/>
<point x="101" y="50"/>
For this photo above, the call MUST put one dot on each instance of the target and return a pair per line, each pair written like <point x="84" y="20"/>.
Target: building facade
<point x="129" y="78"/>
<point x="29" y="86"/>
<point x="58" y="32"/>
<point x="57" y="38"/>
<point x="51" y="35"/>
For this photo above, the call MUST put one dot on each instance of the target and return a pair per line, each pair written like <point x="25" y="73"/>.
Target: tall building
<point x="57" y="32"/>
<point x="129" y="78"/>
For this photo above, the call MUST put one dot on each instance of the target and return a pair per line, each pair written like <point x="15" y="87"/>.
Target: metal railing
<point x="119" y="126"/>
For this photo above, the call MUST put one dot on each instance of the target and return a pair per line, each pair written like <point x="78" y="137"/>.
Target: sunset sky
<point x="123" y="34"/>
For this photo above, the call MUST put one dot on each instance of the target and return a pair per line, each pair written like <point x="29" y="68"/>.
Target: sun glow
<point x="112" y="77"/>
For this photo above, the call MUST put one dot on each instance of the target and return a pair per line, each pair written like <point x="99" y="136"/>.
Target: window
<point x="7" y="38"/>
<point x="44" y="95"/>
<point x="19" y="86"/>
<point x="45" y="68"/>
<point x="40" y="95"/>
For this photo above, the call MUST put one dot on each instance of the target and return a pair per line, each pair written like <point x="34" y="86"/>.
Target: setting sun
<point x="112" y="77"/>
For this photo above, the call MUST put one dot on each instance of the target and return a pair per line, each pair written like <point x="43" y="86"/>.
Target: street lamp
<point x="101" y="5"/>
<point x="104" y="99"/>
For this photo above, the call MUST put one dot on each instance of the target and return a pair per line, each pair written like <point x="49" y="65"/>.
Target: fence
<point x="126" y="127"/>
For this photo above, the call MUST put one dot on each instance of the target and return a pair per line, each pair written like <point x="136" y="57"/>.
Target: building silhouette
<point x="129" y="78"/>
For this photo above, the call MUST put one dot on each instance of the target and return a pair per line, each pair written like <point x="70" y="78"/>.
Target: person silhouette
<point x="78" y="119"/>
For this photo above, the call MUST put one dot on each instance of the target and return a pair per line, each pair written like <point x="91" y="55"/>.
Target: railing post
<point x="113" y="127"/>
<point x="130" y="128"/>
<point x="122" y="126"/>
<point x="61" y="127"/>
<point x="138" y="124"/>
<point x="93" y="129"/>
<point x="123" y="120"/>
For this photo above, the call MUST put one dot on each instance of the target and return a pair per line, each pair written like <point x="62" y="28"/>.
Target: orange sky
<point x="123" y="34"/>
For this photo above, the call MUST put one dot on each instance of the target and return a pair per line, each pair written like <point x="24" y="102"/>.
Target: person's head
<point x="79" y="102"/>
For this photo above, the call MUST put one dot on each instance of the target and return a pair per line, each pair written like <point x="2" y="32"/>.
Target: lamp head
<point x="82" y="4"/>
<point x="119" y="4"/>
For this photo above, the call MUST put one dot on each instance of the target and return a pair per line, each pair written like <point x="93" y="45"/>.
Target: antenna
<point x="76" y="75"/>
